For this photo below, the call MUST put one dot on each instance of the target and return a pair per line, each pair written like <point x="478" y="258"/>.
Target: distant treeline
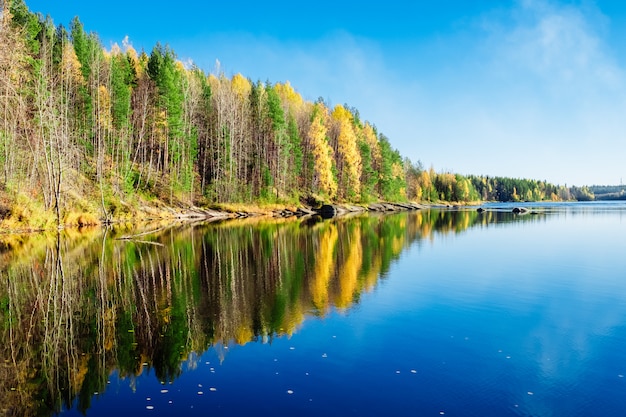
<point x="609" y="192"/>
<point x="428" y="185"/>
<point x="85" y="128"/>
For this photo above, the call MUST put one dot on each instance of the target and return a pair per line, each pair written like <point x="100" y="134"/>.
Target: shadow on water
<point x="74" y="307"/>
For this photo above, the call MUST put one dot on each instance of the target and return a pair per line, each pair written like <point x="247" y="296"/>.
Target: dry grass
<point x="26" y="214"/>
<point x="266" y="209"/>
<point x="80" y="219"/>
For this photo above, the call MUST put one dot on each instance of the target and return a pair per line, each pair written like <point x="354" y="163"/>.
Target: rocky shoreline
<point x="325" y="211"/>
<point x="334" y="210"/>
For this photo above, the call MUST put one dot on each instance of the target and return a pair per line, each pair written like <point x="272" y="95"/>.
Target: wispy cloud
<point x="542" y="97"/>
<point x="562" y="45"/>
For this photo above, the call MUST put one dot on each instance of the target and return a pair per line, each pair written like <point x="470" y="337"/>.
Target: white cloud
<point x="560" y="44"/>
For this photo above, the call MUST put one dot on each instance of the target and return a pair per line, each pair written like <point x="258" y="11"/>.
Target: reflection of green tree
<point x="127" y="356"/>
<point x="74" y="308"/>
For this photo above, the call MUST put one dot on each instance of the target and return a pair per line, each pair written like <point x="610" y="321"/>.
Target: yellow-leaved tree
<point x="348" y="155"/>
<point x="291" y="99"/>
<point x="72" y="77"/>
<point x="322" y="152"/>
<point x="103" y="109"/>
<point x="241" y="86"/>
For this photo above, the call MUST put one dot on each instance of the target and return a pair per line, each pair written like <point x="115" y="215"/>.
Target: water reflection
<point x="74" y="307"/>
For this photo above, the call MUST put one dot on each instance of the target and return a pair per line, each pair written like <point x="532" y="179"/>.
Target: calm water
<point x="432" y="313"/>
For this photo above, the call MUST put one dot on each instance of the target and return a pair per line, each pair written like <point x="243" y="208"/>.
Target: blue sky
<point x="525" y="89"/>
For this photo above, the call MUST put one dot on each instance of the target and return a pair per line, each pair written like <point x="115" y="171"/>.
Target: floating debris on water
<point x="149" y="407"/>
<point x="292" y="348"/>
<point x="289" y="391"/>
<point x="413" y="371"/>
<point x="397" y="372"/>
<point x="324" y="355"/>
<point x="530" y="393"/>
<point x="200" y="393"/>
<point x="212" y="389"/>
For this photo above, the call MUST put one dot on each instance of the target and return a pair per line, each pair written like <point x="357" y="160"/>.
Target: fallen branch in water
<point x="145" y="241"/>
<point x="132" y="237"/>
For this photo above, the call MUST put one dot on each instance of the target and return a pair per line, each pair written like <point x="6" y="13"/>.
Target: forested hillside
<point x="91" y="133"/>
<point x="609" y="192"/>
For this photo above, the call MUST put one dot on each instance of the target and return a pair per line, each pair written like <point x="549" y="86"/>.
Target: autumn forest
<point x="89" y="134"/>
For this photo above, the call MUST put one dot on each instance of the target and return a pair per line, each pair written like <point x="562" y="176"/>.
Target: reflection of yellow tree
<point x="324" y="266"/>
<point x="370" y="279"/>
<point x="349" y="271"/>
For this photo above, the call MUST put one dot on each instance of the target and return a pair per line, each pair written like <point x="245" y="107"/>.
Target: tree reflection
<point x="75" y="307"/>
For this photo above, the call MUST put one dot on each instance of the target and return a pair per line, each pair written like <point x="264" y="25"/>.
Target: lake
<point x="427" y="313"/>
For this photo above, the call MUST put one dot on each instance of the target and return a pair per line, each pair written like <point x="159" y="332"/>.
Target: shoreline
<point x="233" y="211"/>
<point x="218" y="212"/>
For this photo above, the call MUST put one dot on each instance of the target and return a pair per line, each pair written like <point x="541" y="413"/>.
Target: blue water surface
<point x="521" y="318"/>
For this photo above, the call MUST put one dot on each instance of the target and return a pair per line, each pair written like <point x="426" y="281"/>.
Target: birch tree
<point x="324" y="180"/>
